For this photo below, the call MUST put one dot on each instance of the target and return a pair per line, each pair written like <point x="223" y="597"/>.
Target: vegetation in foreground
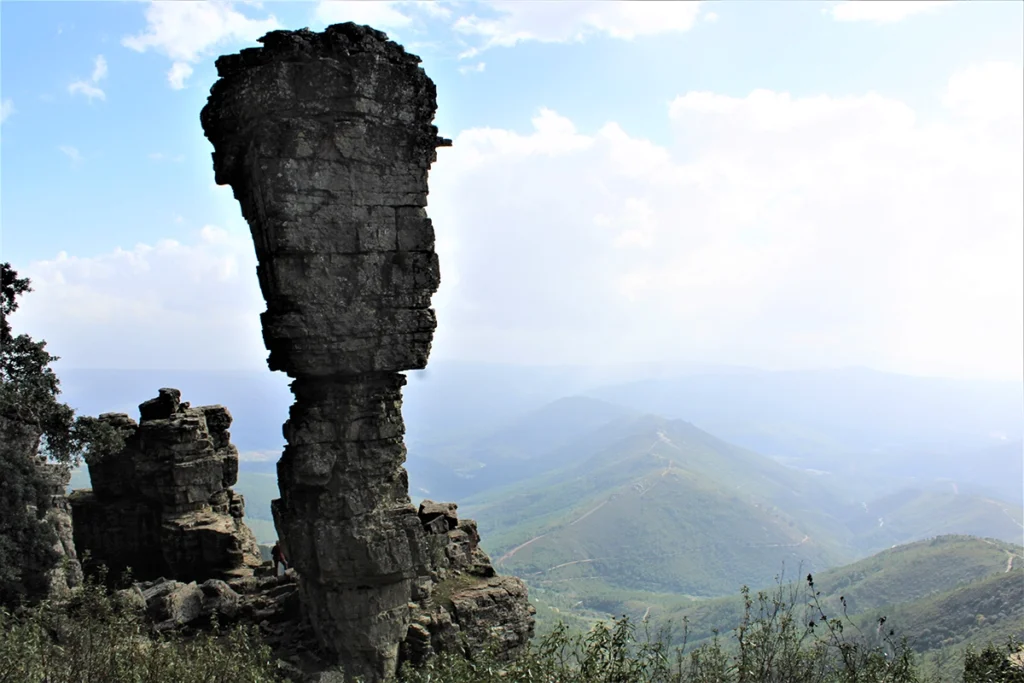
<point x="784" y="635"/>
<point x="95" y="638"/>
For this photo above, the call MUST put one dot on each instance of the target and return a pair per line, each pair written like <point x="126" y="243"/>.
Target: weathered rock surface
<point x="163" y="505"/>
<point x="326" y="140"/>
<point x="459" y="604"/>
<point x="67" y="574"/>
<point x="47" y="506"/>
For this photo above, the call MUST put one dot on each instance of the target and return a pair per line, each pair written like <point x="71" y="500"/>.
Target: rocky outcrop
<point x="163" y="505"/>
<point x="326" y="139"/>
<point x="67" y="573"/>
<point x="28" y="479"/>
<point x="460" y="604"/>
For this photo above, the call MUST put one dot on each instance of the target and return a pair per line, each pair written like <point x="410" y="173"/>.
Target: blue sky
<point x="771" y="184"/>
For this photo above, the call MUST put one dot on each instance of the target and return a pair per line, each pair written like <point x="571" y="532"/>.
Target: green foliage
<point x="777" y="640"/>
<point x="942" y="594"/>
<point x="31" y="418"/>
<point x="93" y="638"/>
<point x="993" y="665"/>
<point x="26" y="541"/>
<point x="971" y="616"/>
<point x="29" y="387"/>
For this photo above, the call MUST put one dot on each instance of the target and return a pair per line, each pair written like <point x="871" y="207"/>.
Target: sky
<point x="768" y="184"/>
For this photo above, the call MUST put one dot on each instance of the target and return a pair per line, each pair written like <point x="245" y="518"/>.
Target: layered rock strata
<point x="326" y="140"/>
<point x="163" y="506"/>
<point x="459" y="603"/>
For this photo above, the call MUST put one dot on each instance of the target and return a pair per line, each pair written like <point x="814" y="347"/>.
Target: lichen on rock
<point x="326" y="140"/>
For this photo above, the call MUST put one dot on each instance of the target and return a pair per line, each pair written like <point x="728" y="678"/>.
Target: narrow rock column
<point x="326" y="139"/>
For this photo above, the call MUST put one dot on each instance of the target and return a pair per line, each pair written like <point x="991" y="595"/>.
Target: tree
<point x="34" y="428"/>
<point x="993" y="665"/>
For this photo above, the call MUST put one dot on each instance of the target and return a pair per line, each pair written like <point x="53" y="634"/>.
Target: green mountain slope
<point x="535" y="443"/>
<point x="910" y="584"/>
<point x="915" y="513"/>
<point x="989" y="610"/>
<point x="668" y="508"/>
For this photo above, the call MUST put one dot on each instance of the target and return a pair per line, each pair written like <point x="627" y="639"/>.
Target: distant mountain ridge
<point x="663" y="507"/>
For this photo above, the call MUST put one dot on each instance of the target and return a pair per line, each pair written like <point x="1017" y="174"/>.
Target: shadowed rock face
<point x="163" y="505"/>
<point x="19" y="447"/>
<point x="326" y="140"/>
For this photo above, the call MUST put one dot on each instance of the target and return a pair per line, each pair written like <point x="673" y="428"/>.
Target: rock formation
<point x="163" y="505"/>
<point x="326" y="139"/>
<point x="67" y="574"/>
<point x="48" y="574"/>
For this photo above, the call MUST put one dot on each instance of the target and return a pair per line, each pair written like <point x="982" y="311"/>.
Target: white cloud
<point x="90" y="88"/>
<point x="87" y="89"/>
<point x="6" y="109"/>
<point x="178" y="74"/>
<point x="574" y="21"/>
<point x="711" y="17"/>
<point x="71" y="153"/>
<point x="439" y="10"/>
<point x="987" y="91"/>
<point x="166" y="305"/>
<point x="883" y="11"/>
<point x="188" y="32"/>
<point x="475" y="68"/>
<point x="776" y="231"/>
<point x="99" y="70"/>
<point x="385" y="15"/>
<point x="381" y="14"/>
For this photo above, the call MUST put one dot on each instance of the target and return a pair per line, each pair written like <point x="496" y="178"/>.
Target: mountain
<point x="877" y="432"/>
<point x="537" y="442"/>
<point x="941" y="593"/>
<point x="914" y="513"/>
<point x="663" y="507"/>
<point x="989" y="610"/>
<point x="803" y="414"/>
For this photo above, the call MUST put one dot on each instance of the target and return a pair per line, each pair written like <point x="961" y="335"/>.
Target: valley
<point x="611" y="502"/>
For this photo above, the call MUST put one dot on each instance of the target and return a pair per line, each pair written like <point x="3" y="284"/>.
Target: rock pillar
<point x="326" y="139"/>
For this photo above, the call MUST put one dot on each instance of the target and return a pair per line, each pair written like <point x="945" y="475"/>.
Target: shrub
<point x="92" y="638"/>
<point x="993" y="665"/>
<point x="778" y="640"/>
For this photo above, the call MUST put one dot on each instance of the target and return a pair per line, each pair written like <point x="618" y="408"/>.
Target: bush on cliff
<point x="32" y="420"/>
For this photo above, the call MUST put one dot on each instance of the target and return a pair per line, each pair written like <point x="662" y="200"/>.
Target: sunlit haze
<point x="774" y="185"/>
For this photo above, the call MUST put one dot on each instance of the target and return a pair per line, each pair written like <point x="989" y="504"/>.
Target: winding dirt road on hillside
<point x="519" y="547"/>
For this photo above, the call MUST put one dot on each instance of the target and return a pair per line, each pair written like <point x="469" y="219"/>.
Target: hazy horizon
<point x="643" y="368"/>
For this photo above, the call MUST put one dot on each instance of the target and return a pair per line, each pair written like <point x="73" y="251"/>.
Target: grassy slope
<point x="667" y="508"/>
<point x="911" y="584"/>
